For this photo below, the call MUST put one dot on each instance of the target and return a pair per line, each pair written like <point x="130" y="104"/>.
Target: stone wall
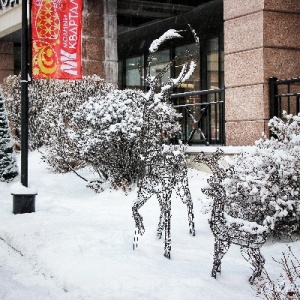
<point x="6" y="59"/>
<point x="99" y="39"/>
<point x="261" y="40"/>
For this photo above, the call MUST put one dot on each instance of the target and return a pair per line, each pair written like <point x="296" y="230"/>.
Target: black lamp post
<point x="24" y="199"/>
<point x="24" y="96"/>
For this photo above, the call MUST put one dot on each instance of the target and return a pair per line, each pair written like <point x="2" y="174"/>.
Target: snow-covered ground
<point x="79" y="245"/>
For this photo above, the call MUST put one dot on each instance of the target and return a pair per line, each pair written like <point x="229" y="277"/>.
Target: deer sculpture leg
<point x="161" y="217"/>
<point x="167" y="223"/>
<point x="184" y="193"/>
<point x="191" y="218"/>
<point x="143" y="197"/>
<point x="168" y="172"/>
<point x="256" y="259"/>
<point x="220" y="249"/>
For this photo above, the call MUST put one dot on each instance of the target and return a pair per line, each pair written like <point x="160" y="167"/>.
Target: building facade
<point x="242" y="45"/>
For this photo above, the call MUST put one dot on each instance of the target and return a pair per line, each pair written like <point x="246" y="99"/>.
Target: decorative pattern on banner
<point x="56" y="39"/>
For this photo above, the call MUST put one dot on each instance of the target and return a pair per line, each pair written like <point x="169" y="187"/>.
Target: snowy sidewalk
<point x="19" y="280"/>
<point x="78" y="245"/>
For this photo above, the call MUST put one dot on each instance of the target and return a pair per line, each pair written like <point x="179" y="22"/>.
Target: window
<point x="203" y="112"/>
<point x="215" y="79"/>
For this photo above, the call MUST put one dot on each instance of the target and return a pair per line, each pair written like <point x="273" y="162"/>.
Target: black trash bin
<point x="23" y="203"/>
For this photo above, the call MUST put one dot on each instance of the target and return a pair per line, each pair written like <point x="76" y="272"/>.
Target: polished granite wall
<point x="261" y="40"/>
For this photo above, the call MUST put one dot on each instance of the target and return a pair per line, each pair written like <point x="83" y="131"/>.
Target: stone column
<point x="6" y="59"/>
<point x="110" y="37"/>
<point x="261" y="40"/>
<point x="99" y="39"/>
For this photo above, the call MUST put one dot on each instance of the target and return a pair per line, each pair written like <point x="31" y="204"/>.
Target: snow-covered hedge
<point x="62" y="154"/>
<point x="90" y="123"/>
<point x="49" y="100"/>
<point x="107" y="130"/>
<point x="265" y="184"/>
<point x="87" y="123"/>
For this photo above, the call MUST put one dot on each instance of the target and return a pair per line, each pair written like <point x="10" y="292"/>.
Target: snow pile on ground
<point x="79" y="245"/>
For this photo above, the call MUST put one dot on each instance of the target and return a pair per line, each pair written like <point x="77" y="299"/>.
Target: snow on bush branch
<point x="8" y="166"/>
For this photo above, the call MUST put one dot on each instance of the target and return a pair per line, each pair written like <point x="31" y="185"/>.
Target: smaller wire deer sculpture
<point x="227" y="230"/>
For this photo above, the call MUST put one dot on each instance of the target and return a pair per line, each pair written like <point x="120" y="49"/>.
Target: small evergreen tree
<point x="8" y="168"/>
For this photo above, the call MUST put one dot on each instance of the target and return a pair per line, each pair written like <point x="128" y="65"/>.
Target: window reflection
<point x="135" y="72"/>
<point x="160" y="60"/>
<point x="213" y="63"/>
<point x="193" y="83"/>
<point x="215" y="75"/>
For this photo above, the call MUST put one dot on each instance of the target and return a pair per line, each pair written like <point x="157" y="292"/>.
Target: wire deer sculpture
<point x="162" y="168"/>
<point x="250" y="236"/>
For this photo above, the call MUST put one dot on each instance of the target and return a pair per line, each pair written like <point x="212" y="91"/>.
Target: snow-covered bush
<point x="8" y="167"/>
<point x="12" y="96"/>
<point x="61" y="153"/>
<point x="107" y="129"/>
<point x="48" y="99"/>
<point x="287" y="286"/>
<point x="265" y="184"/>
<point x="51" y="106"/>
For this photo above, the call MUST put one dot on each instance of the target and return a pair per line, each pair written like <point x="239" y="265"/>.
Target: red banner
<point x="56" y="39"/>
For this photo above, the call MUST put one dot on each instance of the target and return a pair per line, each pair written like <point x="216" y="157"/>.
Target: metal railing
<point x="203" y="116"/>
<point x="284" y="95"/>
